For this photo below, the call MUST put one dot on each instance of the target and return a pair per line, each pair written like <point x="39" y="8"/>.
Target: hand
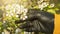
<point x="33" y="26"/>
<point x="38" y="21"/>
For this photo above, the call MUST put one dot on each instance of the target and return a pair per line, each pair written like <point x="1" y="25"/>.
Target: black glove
<point x="38" y="21"/>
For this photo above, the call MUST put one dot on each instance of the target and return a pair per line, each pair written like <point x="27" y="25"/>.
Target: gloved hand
<point x="38" y="21"/>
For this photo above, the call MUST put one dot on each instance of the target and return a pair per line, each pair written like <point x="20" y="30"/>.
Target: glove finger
<point x="30" y="29"/>
<point x="26" y="25"/>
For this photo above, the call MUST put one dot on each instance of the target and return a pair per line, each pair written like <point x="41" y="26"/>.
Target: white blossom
<point x="7" y="14"/>
<point x="52" y="5"/>
<point x="26" y="17"/>
<point x="40" y="1"/>
<point x="7" y="7"/>
<point x="3" y="32"/>
<point x="17" y="16"/>
<point x="16" y="9"/>
<point x="43" y="5"/>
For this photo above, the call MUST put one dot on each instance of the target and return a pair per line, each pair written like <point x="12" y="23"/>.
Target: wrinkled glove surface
<point x="38" y="21"/>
